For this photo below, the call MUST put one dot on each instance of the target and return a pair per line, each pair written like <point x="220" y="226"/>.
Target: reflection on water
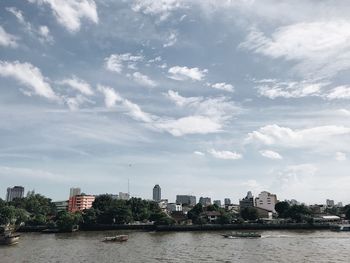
<point x="274" y="246"/>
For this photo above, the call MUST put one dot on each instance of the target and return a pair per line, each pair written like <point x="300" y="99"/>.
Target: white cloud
<point x="310" y="137"/>
<point x="70" y="13"/>
<point x="180" y="100"/>
<point x="320" y="49"/>
<point x="115" y="62"/>
<point x="209" y="115"/>
<point x="189" y="125"/>
<point x="293" y="178"/>
<point x="270" y="154"/>
<point x="132" y="109"/>
<point x="161" y="8"/>
<point x="340" y="156"/>
<point x="185" y="73"/>
<point x="223" y="86"/>
<point x="340" y="92"/>
<point x="79" y="85"/>
<point x="28" y="75"/>
<point x="17" y="13"/>
<point x="143" y="79"/>
<point x="171" y="40"/>
<point x="74" y="103"/>
<point x="111" y="96"/>
<point x="226" y="155"/>
<point x="6" y="39"/>
<point x="199" y="153"/>
<point x="42" y="32"/>
<point x="291" y="89"/>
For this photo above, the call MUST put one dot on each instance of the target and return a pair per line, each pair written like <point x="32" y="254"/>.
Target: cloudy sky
<point x="211" y="98"/>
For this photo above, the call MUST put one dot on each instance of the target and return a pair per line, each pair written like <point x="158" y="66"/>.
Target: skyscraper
<point x="74" y="191"/>
<point x="157" y="195"/>
<point x="14" y="192"/>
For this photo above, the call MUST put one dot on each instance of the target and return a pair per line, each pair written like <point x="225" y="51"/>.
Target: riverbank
<point x="180" y="228"/>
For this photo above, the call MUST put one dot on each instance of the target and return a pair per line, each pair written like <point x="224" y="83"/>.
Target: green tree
<point x="224" y="218"/>
<point x="195" y="214"/>
<point x="103" y="202"/>
<point x="89" y="216"/>
<point x="299" y="213"/>
<point x="65" y="221"/>
<point x="347" y="213"/>
<point x="7" y="215"/>
<point x="282" y="208"/>
<point x="249" y="213"/>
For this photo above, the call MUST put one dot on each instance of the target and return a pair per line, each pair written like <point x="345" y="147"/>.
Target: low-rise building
<point x="211" y="216"/>
<point x="61" y="205"/>
<point x="173" y="207"/>
<point x="123" y="196"/>
<point x="80" y="202"/>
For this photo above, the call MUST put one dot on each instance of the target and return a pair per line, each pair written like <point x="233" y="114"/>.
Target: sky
<point x="210" y="98"/>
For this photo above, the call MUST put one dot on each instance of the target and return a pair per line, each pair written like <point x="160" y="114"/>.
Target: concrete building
<point x="329" y="203"/>
<point x="80" y="202"/>
<point x="247" y="201"/>
<point x="61" y="205"/>
<point x="14" y="192"/>
<point x="227" y="201"/>
<point x="157" y="194"/>
<point x="186" y="200"/>
<point x="123" y="196"/>
<point x="74" y="191"/>
<point x="205" y="201"/>
<point x="217" y="202"/>
<point x="172" y="207"/>
<point x="266" y="201"/>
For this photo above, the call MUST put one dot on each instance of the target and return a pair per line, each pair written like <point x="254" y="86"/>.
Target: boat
<point x="8" y="238"/>
<point x="340" y="227"/>
<point x="118" y="238"/>
<point x="242" y="234"/>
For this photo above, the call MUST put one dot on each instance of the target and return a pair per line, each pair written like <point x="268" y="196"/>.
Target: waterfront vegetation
<point x="37" y="210"/>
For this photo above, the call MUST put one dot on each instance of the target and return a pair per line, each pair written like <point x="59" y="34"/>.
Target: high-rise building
<point x="186" y="200"/>
<point x="157" y="194"/>
<point x="330" y="203"/>
<point x="74" y="191"/>
<point x="217" y="202"/>
<point x="266" y="201"/>
<point x="80" y="202"/>
<point x="14" y="192"/>
<point x="227" y="201"/>
<point x="247" y="201"/>
<point x="205" y="201"/>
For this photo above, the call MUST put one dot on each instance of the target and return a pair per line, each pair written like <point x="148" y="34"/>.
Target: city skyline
<point x="204" y="200"/>
<point x="209" y="98"/>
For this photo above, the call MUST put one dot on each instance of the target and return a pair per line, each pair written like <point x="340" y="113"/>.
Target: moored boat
<point x="8" y="238"/>
<point x="341" y="227"/>
<point x="242" y="234"/>
<point x="118" y="238"/>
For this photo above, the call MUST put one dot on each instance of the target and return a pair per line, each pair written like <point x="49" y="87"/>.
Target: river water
<point x="274" y="246"/>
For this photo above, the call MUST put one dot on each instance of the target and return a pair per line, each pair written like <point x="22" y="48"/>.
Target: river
<point x="274" y="246"/>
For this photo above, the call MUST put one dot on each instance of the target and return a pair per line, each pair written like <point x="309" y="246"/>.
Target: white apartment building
<point x="266" y="201"/>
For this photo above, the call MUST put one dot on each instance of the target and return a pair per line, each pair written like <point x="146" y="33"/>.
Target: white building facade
<point x="266" y="201"/>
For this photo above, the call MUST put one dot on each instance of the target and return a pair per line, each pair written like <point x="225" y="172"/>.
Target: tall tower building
<point x="157" y="195"/>
<point x="14" y="192"/>
<point x="74" y="191"/>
